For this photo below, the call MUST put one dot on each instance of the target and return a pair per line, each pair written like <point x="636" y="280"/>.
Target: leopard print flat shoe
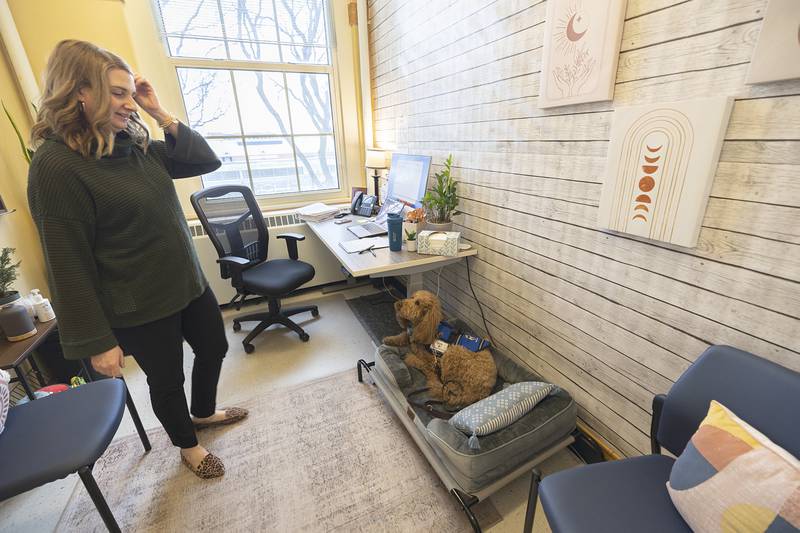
<point x="210" y="467"/>
<point x="232" y="415"/>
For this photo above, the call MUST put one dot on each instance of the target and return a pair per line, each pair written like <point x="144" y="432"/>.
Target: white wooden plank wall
<point x="613" y="319"/>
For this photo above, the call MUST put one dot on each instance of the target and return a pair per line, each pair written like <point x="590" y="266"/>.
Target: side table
<point x="14" y="354"/>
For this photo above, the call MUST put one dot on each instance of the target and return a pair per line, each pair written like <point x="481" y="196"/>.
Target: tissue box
<point x="438" y="243"/>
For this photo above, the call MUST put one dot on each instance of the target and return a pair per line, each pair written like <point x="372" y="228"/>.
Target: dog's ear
<point x="431" y="314"/>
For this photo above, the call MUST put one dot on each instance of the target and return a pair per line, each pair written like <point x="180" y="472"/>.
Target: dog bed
<point x="501" y="452"/>
<point x="473" y="474"/>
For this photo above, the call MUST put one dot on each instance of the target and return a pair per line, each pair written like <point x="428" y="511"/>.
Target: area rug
<point x="327" y="455"/>
<point x="376" y="314"/>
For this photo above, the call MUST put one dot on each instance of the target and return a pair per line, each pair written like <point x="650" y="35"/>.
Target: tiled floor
<point x="280" y="360"/>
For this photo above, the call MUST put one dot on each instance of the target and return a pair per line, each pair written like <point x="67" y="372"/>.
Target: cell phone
<point x="342" y="221"/>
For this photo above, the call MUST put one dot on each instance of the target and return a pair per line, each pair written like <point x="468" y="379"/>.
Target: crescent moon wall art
<point x="661" y="164"/>
<point x="777" y="53"/>
<point x="581" y="48"/>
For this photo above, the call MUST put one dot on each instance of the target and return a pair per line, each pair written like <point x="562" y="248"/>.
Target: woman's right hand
<point x="110" y="362"/>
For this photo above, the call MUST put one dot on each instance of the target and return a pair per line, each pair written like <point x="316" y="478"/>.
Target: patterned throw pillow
<point x="499" y="410"/>
<point x="5" y="398"/>
<point x="731" y="477"/>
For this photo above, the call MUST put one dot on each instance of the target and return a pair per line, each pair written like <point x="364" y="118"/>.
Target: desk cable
<point x="388" y="289"/>
<point x="480" y="307"/>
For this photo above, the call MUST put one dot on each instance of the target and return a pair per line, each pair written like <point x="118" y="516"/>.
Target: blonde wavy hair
<point x="74" y="65"/>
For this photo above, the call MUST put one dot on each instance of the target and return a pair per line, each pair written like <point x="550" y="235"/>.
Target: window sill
<point x="281" y="210"/>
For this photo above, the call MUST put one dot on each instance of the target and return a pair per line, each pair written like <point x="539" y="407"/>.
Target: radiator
<point x="311" y="250"/>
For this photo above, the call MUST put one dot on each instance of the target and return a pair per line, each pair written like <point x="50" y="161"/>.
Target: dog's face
<point x="415" y="309"/>
<point x="423" y="312"/>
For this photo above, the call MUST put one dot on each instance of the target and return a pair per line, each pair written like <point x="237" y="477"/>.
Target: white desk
<point x="385" y="262"/>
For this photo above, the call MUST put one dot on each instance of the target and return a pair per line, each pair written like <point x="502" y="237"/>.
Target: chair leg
<point x="258" y="329"/>
<point x="294" y="327"/>
<point x="97" y="497"/>
<point x="253" y="317"/>
<point x="276" y="315"/>
<point x="533" y="496"/>
<point x="290" y="311"/>
<point x="136" y="420"/>
<point x="131" y="407"/>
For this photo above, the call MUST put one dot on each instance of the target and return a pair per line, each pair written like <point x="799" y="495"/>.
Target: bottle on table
<point x="42" y="307"/>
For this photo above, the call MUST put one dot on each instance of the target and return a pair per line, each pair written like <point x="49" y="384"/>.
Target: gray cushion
<point x="499" y="409"/>
<point x="503" y="451"/>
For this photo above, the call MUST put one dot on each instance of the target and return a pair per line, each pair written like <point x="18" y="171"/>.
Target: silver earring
<point x="83" y="108"/>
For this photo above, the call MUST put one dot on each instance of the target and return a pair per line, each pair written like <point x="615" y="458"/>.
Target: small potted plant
<point x="411" y="241"/>
<point x="8" y="274"/>
<point x="414" y="218"/>
<point x="441" y="201"/>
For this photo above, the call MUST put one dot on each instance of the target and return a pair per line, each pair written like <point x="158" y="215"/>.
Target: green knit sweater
<point x="115" y="240"/>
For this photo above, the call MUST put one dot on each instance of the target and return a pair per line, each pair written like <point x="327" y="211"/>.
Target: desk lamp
<point x="377" y="159"/>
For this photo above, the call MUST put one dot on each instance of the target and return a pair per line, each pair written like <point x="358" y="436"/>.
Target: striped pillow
<point x="5" y="398"/>
<point x="500" y="409"/>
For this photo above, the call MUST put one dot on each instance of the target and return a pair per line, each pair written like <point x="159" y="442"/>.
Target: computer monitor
<point x="408" y="177"/>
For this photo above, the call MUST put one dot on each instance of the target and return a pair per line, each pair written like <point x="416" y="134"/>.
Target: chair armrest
<point x="658" y="406"/>
<point x="291" y="242"/>
<point x="235" y="266"/>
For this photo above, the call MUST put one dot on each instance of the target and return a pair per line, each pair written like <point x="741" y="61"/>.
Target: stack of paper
<point x="316" y="212"/>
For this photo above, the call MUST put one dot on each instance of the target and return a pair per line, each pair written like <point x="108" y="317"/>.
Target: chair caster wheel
<point x="304" y="337"/>
<point x="237" y="326"/>
<point x="315" y="313"/>
<point x="249" y="348"/>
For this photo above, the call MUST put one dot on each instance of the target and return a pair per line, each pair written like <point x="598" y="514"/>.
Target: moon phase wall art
<point x="581" y="48"/>
<point x="661" y="164"/>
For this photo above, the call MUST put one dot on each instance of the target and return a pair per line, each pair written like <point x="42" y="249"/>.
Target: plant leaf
<point x="26" y="152"/>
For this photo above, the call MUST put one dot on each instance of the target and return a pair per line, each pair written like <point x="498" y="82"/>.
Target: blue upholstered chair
<point x="631" y="494"/>
<point x="50" y="438"/>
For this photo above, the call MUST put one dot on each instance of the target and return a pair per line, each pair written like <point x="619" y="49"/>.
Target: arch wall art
<point x="661" y="164"/>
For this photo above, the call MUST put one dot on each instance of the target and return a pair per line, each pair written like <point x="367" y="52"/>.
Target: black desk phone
<point x="363" y="204"/>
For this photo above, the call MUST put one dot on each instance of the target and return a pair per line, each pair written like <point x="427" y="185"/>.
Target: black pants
<point x="158" y="348"/>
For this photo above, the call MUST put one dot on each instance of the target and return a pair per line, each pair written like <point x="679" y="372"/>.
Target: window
<point x="257" y="82"/>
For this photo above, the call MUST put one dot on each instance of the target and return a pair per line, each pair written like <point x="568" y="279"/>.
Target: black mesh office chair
<point x="232" y="219"/>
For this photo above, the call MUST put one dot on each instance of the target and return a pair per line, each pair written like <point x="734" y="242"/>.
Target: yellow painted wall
<point x="43" y="23"/>
<point x="17" y="229"/>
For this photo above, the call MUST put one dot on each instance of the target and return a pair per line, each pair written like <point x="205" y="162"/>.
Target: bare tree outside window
<point x="271" y="126"/>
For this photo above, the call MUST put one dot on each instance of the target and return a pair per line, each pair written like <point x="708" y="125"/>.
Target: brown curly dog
<point x="460" y="377"/>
